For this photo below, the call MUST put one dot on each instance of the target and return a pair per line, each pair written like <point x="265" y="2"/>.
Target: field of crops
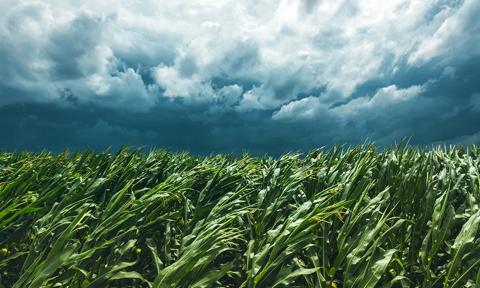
<point x="358" y="217"/>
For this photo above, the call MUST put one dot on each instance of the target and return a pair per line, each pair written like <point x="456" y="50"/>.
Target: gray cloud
<point x="70" y="49"/>
<point x="267" y="76"/>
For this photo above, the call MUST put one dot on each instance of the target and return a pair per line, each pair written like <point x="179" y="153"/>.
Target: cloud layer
<point x="238" y="75"/>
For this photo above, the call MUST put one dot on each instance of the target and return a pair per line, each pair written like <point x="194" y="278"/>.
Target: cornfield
<point x="339" y="217"/>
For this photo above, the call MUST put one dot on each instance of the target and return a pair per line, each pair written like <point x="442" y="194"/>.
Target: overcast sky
<point x="232" y="76"/>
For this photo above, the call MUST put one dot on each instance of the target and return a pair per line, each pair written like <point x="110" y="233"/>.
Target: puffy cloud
<point x="340" y="70"/>
<point x="74" y="51"/>
<point x="306" y="108"/>
<point x="286" y="48"/>
<point x="228" y="97"/>
<point x="456" y="37"/>
<point x="385" y="97"/>
<point x="177" y="85"/>
<point x="119" y="90"/>
<point x="313" y="107"/>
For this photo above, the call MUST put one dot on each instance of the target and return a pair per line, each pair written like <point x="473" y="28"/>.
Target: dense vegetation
<point x="356" y="217"/>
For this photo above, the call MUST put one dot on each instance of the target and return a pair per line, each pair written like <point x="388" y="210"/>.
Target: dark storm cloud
<point x="68" y="45"/>
<point x="36" y="126"/>
<point x="238" y="76"/>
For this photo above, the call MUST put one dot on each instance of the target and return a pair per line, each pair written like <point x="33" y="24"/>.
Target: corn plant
<point x="339" y="217"/>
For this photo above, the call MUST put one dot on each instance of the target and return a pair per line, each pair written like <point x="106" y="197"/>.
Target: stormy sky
<point x="231" y="76"/>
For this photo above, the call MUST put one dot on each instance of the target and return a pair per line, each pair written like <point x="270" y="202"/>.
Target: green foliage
<point x="353" y="217"/>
